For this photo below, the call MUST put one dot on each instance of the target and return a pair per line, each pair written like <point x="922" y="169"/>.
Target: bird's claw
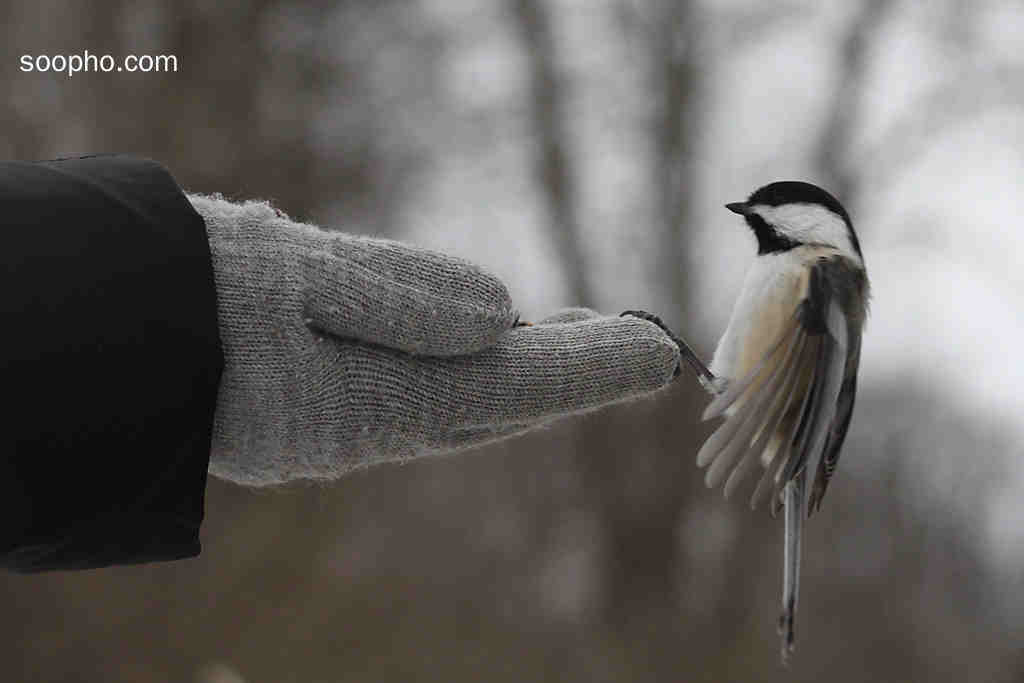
<point x="703" y="374"/>
<point x="713" y="385"/>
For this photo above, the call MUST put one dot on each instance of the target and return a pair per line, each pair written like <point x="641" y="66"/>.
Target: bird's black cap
<point x="797" y="192"/>
<point x="793" y="192"/>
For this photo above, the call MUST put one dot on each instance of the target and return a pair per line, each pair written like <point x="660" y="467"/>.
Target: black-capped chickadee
<point x="784" y="374"/>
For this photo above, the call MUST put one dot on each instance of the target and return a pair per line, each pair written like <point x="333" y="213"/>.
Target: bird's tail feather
<point x="795" y="493"/>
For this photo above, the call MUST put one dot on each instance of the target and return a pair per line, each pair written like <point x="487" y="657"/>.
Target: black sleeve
<point x="110" y="360"/>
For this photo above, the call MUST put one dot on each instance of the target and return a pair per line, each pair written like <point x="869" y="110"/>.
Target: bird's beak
<point x="742" y="208"/>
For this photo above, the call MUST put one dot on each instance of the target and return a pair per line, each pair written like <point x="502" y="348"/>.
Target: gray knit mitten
<point x="344" y="351"/>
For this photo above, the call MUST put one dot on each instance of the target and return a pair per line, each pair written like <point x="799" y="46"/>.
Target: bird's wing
<point x="837" y="434"/>
<point x="788" y="410"/>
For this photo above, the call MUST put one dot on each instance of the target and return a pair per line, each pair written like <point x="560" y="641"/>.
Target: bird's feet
<point x="703" y="374"/>
<point x="521" y="323"/>
<point x="715" y="385"/>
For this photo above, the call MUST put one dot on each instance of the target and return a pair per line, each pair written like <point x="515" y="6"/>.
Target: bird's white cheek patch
<point x="810" y="224"/>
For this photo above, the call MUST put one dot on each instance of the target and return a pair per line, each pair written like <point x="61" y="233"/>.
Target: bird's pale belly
<point x="771" y="318"/>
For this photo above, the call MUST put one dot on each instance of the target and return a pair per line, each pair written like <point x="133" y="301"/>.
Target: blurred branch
<point x="724" y="30"/>
<point x="745" y="25"/>
<point x="945" y="107"/>
<point x="840" y="122"/>
<point x="737" y="26"/>
<point x="547" y="101"/>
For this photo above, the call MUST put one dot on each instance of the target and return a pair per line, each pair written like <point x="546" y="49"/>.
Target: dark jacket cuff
<point x="110" y="362"/>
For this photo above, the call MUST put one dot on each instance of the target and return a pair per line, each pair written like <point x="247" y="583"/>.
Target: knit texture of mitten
<point x="344" y="351"/>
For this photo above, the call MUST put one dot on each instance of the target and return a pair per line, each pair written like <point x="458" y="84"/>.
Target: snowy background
<point x="583" y="149"/>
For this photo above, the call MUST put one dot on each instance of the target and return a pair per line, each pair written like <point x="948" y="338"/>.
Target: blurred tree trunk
<point x="637" y="481"/>
<point x="553" y="162"/>
<point x="833" y="148"/>
<point x="637" y="460"/>
<point x="23" y="137"/>
<point x="677" y="122"/>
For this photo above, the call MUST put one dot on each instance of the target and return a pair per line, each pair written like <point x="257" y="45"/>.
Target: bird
<point x="784" y="373"/>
